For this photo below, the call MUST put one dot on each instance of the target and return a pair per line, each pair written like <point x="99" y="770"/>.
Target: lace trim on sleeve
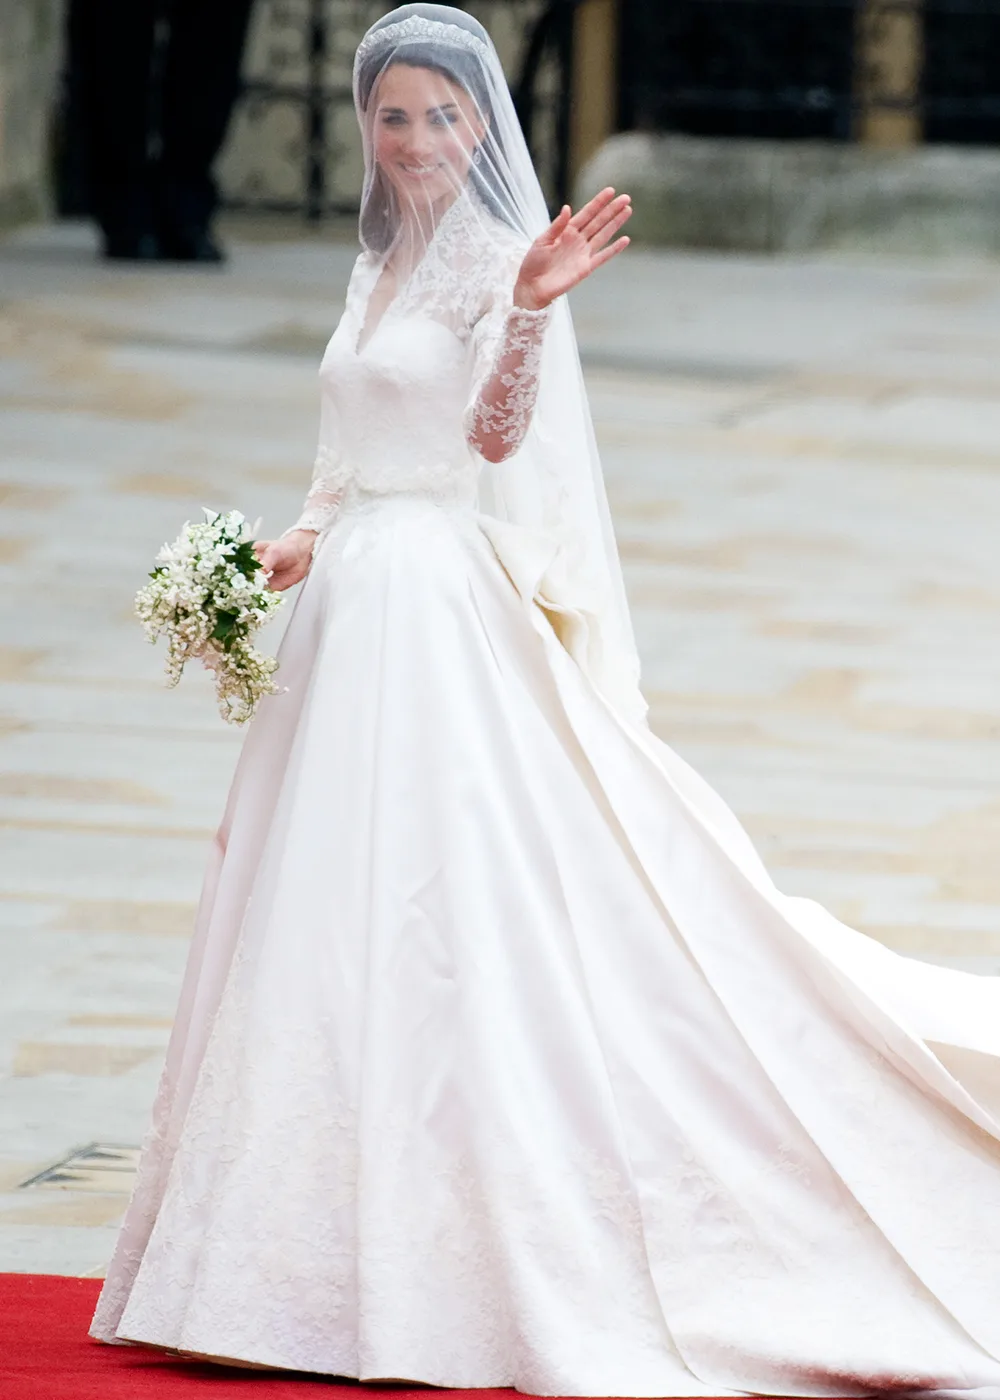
<point x="325" y="494"/>
<point x="500" y="415"/>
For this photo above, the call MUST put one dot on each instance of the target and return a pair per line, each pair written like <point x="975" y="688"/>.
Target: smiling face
<point x="425" y="133"/>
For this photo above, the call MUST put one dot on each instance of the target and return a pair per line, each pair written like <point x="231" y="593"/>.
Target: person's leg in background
<point x="200" y="83"/>
<point x="112" y="42"/>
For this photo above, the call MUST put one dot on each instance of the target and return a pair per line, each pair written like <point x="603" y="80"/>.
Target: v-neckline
<point x="364" y="337"/>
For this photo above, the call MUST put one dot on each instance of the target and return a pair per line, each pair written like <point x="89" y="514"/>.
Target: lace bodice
<point x="448" y="372"/>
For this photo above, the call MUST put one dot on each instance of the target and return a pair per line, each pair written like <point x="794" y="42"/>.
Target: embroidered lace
<point x="461" y="287"/>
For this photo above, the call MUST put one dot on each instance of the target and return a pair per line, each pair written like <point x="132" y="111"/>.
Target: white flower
<point x="209" y="608"/>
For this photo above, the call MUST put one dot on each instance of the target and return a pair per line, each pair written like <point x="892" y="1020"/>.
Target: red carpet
<point x="45" y="1354"/>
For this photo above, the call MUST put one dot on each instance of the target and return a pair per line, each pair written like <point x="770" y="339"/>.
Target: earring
<point x="477" y="155"/>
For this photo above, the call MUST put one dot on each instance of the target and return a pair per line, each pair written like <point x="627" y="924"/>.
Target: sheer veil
<point x="544" y="507"/>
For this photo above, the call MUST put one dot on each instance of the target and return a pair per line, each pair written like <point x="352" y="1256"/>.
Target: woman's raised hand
<point x="571" y="248"/>
<point x="287" y="560"/>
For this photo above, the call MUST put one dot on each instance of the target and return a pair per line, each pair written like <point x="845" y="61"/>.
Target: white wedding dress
<point x="499" y="1060"/>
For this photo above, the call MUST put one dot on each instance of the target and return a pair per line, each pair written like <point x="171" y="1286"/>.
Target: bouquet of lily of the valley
<point x="209" y="595"/>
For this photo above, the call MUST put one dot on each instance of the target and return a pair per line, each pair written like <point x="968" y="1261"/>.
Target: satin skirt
<point x="501" y="1061"/>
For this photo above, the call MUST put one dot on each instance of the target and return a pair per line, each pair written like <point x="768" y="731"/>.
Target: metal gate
<point x="294" y="142"/>
<point x="788" y="68"/>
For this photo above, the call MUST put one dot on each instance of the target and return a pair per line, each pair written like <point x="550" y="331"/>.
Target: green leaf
<point x="246" y="560"/>
<point x="223" y="629"/>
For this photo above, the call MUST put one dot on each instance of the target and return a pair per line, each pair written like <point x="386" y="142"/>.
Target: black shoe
<point x="190" y="245"/>
<point x="131" y="246"/>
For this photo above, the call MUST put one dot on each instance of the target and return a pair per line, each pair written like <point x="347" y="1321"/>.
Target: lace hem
<point x="318" y="518"/>
<point x="500" y="416"/>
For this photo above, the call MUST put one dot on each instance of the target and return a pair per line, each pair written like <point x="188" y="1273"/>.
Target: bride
<point x="499" y="1059"/>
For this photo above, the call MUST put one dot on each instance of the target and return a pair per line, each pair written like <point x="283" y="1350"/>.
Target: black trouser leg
<point x="114" y="40"/>
<point x="201" y="80"/>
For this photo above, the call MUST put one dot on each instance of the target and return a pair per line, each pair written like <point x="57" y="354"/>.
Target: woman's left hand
<point x="571" y="248"/>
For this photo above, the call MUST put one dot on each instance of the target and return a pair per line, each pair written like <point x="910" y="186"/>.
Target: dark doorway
<point x="775" y="68"/>
<point x="961" y="85"/>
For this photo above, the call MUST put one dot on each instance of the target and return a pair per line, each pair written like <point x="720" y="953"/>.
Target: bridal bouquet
<point x="209" y="595"/>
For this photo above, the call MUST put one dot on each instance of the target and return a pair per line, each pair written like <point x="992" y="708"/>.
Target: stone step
<point x="760" y="196"/>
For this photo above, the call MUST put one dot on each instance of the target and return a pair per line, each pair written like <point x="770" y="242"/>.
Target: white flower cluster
<point x="209" y="595"/>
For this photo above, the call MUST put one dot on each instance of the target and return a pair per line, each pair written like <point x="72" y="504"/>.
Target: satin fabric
<point x="516" y="1069"/>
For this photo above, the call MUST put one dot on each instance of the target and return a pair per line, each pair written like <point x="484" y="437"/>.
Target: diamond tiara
<point x="417" y="27"/>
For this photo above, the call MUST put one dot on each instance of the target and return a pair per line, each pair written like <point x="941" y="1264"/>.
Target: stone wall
<point x="800" y="196"/>
<point x="30" y="44"/>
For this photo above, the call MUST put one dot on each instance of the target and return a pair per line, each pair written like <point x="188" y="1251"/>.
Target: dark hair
<point x="379" y="213"/>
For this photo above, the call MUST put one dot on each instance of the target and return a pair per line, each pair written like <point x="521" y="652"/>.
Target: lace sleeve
<point x="329" y="478"/>
<point x="508" y="353"/>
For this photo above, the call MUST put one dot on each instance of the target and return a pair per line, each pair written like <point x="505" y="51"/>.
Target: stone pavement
<point x="803" y="458"/>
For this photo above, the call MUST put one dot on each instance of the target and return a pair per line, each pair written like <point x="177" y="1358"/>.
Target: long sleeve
<point x="507" y="348"/>
<point x="329" y="477"/>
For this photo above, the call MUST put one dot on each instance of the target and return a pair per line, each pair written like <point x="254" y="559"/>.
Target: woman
<point x="499" y="1059"/>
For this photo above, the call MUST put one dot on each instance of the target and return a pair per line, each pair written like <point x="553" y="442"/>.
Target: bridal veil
<point x="544" y="507"/>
